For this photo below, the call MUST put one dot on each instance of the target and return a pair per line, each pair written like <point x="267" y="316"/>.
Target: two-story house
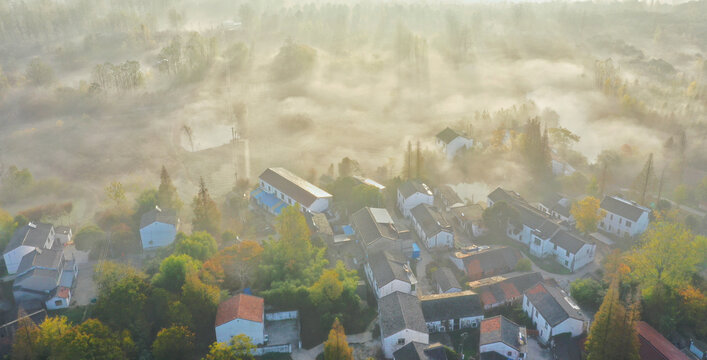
<point x="623" y="217"/>
<point x="387" y="274"/>
<point x="376" y="231"/>
<point x="412" y="193"/>
<point x="401" y="322"/>
<point x="552" y="311"/>
<point x="451" y="142"/>
<point x="158" y="228"/>
<point x="432" y="228"/>
<point x="451" y="312"/>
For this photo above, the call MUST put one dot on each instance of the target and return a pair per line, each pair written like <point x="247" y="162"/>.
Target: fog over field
<point x="306" y="84"/>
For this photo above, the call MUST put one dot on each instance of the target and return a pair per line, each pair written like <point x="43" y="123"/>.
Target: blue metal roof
<point x="348" y="230"/>
<point x="279" y="208"/>
<point x="266" y="199"/>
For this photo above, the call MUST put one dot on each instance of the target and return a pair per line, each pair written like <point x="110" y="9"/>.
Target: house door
<point x="457" y="324"/>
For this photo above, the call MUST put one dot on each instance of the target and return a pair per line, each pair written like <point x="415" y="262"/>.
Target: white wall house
<point x="63" y="234"/>
<point x="451" y="312"/>
<point x="553" y="312"/>
<point x="412" y="193"/>
<point x="432" y="228"/>
<point x="401" y="321"/>
<point x="25" y="240"/>
<point x="504" y="337"/>
<point x="241" y="314"/>
<point x="623" y="217"/>
<point x="386" y="275"/>
<point x="60" y="299"/>
<point x="279" y="188"/>
<point x="450" y="142"/>
<point x="158" y="228"/>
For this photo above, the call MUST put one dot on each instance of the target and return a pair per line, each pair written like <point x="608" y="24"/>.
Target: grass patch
<point x="514" y="313"/>
<point x="74" y="314"/>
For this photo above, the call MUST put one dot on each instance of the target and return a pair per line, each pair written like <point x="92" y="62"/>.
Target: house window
<point x="628" y="223"/>
<point x="620" y="220"/>
<point x="57" y="303"/>
<point x="566" y="263"/>
<point x="401" y="341"/>
<point x="554" y="247"/>
<point x="567" y="252"/>
<point x="510" y="353"/>
<point x="611" y="217"/>
<point x="537" y="242"/>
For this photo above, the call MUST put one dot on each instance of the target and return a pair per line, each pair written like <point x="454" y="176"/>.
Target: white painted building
<point x="451" y="142"/>
<point x="279" y="188"/>
<point x="412" y="193"/>
<point x="553" y="312"/>
<point x="432" y="228"/>
<point x="504" y="337"/>
<point x="158" y="228"/>
<point x="241" y="314"/>
<point x="387" y="275"/>
<point x="451" y="312"/>
<point x="25" y="240"/>
<point x="401" y="322"/>
<point x="623" y="217"/>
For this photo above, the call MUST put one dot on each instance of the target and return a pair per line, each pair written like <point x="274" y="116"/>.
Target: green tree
<point x="146" y="201"/>
<point x="7" y="227"/>
<point x="327" y="289"/>
<point x="39" y="73"/>
<point x="682" y="194"/>
<point x="499" y="215"/>
<point x="563" y="138"/>
<point x="174" y="271"/>
<point x="293" y="61"/>
<point x="587" y="213"/>
<point x="200" y="245"/>
<point x="524" y="264"/>
<point x="115" y="192"/>
<point x="612" y="334"/>
<point x="25" y="345"/>
<point x="93" y="340"/>
<point x="202" y="300"/>
<point x="175" y="342"/>
<point x="587" y="292"/>
<point x="207" y="216"/>
<point x="90" y="237"/>
<point x="167" y="197"/>
<point x="240" y="348"/>
<point x="336" y="347"/>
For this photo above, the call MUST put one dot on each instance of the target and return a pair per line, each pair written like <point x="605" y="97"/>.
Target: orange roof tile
<point x="537" y="289"/>
<point x="655" y="342"/>
<point x="487" y="298"/>
<point x="63" y="292"/>
<point x="474" y="267"/>
<point x="241" y="306"/>
<point x="509" y="290"/>
<point x="490" y="325"/>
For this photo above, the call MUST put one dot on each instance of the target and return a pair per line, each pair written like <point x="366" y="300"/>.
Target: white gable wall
<point x="617" y="225"/>
<point x="394" y="342"/>
<point x="407" y="204"/>
<point x="389" y="288"/>
<point x="254" y="330"/>
<point x="455" y="145"/>
<point x="157" y="234"/>
<point x="501" y="348"/>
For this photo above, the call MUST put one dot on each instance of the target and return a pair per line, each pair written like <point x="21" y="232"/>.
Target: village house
<point x="412" y="193"/>
<point x="654" y="346"/>
<point x="401" y="322"/>
<point x="272" y="332"/>
<point x="432" y="228"/>
<point x="485" y="261"/>
<point x="552" y="311"/>
<point x="447" y="198"/>
<point x="279" y="188"/>
<point x="158" y="228"/>
<point x="377" y="231"/>
<point x="505" y="289"/>
<point x="503" y="337"/>
<point x="27" y="239"/>
<point x="420" y="351"/>
<point x="44" y="276"/>
<point x="63" y="234"/>
<point x="469" y="218"/>
<point x="545" y="236"/>
<point x="451" y="142"/>
<point x="446" y="281"/>
<point x="557" y="206"/>
<point x="623" y="217"/>
<point x="451" y="312"/>
<point x="370" y="182"/>
<point x="386" y="274"/>
<point x="502" y="195"/>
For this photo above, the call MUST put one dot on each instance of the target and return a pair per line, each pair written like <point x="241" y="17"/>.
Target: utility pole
<point x="418" y="168"/>
<point x="649" y="168"/>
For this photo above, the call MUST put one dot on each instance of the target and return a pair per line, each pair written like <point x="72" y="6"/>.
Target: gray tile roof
<point x="467" y="213"/>
<point x="492" y="355"/>
<point x="411" y="351"/>
<point x="506" y="196"/>
<point x="448" y="195"/>
<point x="166" y="216"/>
<point x="568" y="241"/>
<point x="430" y="219"/>
<point x="300" y="190"/>
<point x="34" y="236"/>
<point x="624" y="208"/>
<point x="386" y="268"/>
<point x="37" y="279"/>
<point x="500" y="289"/>
<point x="500" y="329"/>
<point x="369" y="229"/>
<point x="411" y="187"/>
<point x="552" y="303"/>
<point x="447" y="135"/>
<point x="446" y="280"/>
<point x="492" y="260"/>
<point x="42" y="258"/>
<point x="399" y="311"/>
<point x="451" y="306"/>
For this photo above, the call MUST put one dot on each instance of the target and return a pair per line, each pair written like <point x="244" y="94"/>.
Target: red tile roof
<point x="63" y="292"/>
<point x="655" y="346"/>
<point x="473" y="268"/>
<point x="509" y="290"/>
<point x="490" y="325"/>
<point x="487" y="298"/>
<point x="241" y="306"/>
<point x="537" y="289"/>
